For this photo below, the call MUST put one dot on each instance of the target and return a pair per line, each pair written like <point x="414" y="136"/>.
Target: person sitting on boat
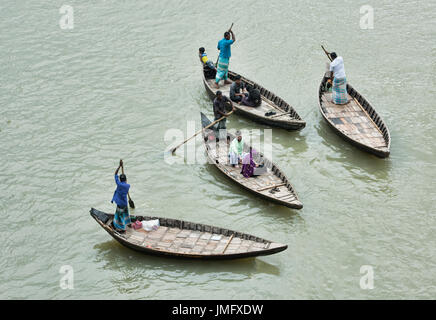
<point x="248" y="164"/>
<point x="205" y="60"/>
<point x="253" y="99"/>
<point x="219" y="110"/>
<point x="339" y="80"/>
<point x="122" y="217"/>
<point x="236" y="150"/>
<point x="224" y="58"/>
<point x="237" y="90"/>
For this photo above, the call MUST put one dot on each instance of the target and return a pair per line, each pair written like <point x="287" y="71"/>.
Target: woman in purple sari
<point x="248" y="165"/>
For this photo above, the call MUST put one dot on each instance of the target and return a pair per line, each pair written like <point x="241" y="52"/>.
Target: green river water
<point x="73" y="102"/>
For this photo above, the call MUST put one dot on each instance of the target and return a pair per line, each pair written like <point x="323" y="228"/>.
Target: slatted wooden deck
<point x="353" y="121"/>
<point x="184" y="241"/>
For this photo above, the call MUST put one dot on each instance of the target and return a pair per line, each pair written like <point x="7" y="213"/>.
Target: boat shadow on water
<point x="350" y="156"/>
<point x="244" y="198"/>
<point x="290" y="142"/>
<point x="116" y="257"/>
<point x="281" y="138"/>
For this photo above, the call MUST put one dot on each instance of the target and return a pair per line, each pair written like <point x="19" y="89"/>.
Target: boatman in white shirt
<point x="339" y="80"/>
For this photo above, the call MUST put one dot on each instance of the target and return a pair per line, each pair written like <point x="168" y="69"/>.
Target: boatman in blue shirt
<point x="223" y="61"/>
<point x="122" y="217"/>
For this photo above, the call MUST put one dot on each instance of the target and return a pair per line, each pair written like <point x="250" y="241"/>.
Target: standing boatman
<point x="219" y="110"/>
<point x="224" y="57"/>
<point x="338" y="80"/>
<point x="122" y="217"/>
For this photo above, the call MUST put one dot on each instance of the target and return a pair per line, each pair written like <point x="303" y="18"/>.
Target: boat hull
<point x="103" y="218"/>
<point x="279" y="104"/>
<point x="370" y="114"/>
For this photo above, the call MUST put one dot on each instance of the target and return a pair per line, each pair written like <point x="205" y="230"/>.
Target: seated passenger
<point x="253" y="99"/>
<point x="203" y="58"/>
<point x="248" y="165"/>
<point x="237" y="89"/>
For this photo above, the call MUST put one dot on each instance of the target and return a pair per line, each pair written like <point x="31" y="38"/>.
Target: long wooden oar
<point x="278" y="115"/>
<point x="328" y="55"/>
<point x="216" y="64"/>
<point x="228" y="242"/>
<point x="131" y="203"/>
<point x="207" y="127"/>
<point x="271" y="187"/>
<point x="326" y="52"/>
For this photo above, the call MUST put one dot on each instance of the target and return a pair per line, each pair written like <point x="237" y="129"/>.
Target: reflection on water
<point x="371" y="171"/>
<point x="290" y="142"/>
<point x="242" y="197"/>
<point x="345" y="152"/>
<point x="114" y="255"/>
<point x="133" y="267"/>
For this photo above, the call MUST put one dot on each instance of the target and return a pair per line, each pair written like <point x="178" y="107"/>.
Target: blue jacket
<point x="120" y="194"/>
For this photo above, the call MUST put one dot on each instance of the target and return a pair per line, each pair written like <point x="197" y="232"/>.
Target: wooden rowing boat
<point x="357" y="121"/>
<point x="273" y="185"/>
<point x="285" y="116"/>
<point x="183" y="239"/>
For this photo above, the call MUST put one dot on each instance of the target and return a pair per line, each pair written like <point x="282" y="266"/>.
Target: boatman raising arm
<point x="122" y="217"/>
<point x="224" y="58"/>
<point x="339" y="89"/>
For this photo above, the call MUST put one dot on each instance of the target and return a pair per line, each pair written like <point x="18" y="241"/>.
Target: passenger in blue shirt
<point x="122" y="217"/>
<point x="223" y="61"/>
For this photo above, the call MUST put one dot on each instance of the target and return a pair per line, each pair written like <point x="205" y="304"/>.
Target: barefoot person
<point x="122" y="217"/>
<point x="339" y="80"/>
<point x="224" y="58"/>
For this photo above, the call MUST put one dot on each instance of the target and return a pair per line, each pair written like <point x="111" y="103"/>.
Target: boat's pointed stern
<point x="383" y="152"/>
<point x="277" y="247"/>
<point x="98" y="215"/>
<point x="204" y="120"/>
<point x="295" y="204"/>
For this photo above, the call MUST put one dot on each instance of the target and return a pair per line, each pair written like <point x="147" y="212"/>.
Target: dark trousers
<point x="238" y="98"/>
